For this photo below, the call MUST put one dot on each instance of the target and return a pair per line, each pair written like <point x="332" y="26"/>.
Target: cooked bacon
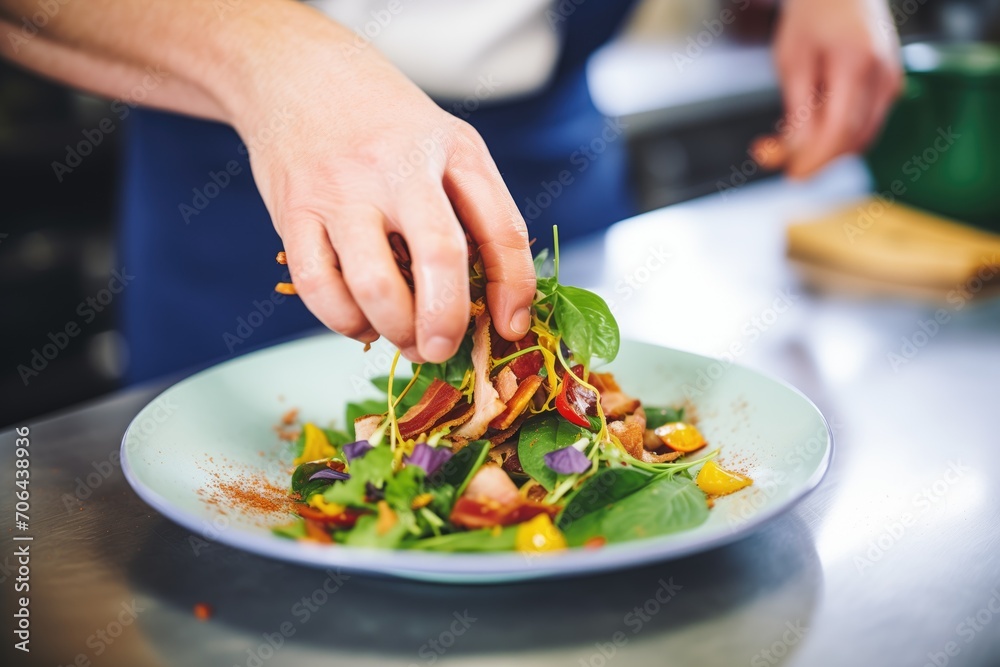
<point x="492" y="483"/>
<point x="505" y="383"/>
<point x="631" y="432"/>
<point x="457" y="416"/>
<point x="509" y="432"/>
<point x="365" y="425"/>
<point x="517" y="403"/>
<point x="476" y="513"/>
<point x="438" y="400"/>
<point x="616" y="403"/>
<point x="492" y="499"/>
<point x="485" y="400"/>
<point x="527" y="364"/>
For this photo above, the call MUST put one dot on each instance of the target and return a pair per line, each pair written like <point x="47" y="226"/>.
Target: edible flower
<point x="356" y="450"/>
<point x="429" y="458"/>
<point x="567" y="461"/>
<point x="328" y="473"/>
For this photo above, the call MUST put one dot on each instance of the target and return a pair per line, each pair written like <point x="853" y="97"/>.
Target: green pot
<point x="940" y="149"/>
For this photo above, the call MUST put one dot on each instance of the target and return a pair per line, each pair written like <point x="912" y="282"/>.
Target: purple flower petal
<point x="329" y="473"/>
<point x="567" y="461"/>
<point x="356" y="450"/>
<point x="429" y="458"/>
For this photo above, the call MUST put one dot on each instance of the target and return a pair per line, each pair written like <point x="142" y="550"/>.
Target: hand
<point x="345" y="150"/>
<point x="840" y="72"/>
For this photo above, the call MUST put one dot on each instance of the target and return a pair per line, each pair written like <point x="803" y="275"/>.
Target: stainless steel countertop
<point x="883" y="565"/>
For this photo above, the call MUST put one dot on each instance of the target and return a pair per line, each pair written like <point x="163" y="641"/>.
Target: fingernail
<point x="438" y="349"/>
<point x="521" y="321"/>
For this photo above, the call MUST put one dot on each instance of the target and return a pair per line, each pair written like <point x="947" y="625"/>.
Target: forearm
<point x="151" y="86"/>
<point x="213" y="54"/>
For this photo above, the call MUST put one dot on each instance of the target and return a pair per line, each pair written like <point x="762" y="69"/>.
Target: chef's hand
<point x="345" y="149"/>
<point x="840" y="72"/>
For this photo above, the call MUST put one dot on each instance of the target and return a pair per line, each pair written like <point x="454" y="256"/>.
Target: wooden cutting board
<point x="874" y="248"/>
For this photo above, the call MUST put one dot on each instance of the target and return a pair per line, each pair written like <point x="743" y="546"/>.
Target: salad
<point x="521" y="446"/>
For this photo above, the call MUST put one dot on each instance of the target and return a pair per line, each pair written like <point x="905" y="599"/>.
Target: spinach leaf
<point x="484" y="539"/>
<point x="539" y="436"/>
<point x="370" y="406"/>
<point x="300" y="443"/>
<point x="451" y="371"/>
<point x="586" y="324"/>
<point x="541" y="271"/>
<point x="303" y="472"/>
<point x="403" y="487"/>
<point x="375" y="467"/>
<point x="666" y="505"/>
<point x="460" y="468"/>
<point x="337" y="438"/>
<point x="606" y="486"/>
<point x="656" y="417"/>
<point x="444" y="499"/>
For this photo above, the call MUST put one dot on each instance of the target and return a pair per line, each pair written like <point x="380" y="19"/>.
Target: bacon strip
<point x="437" y="401"/>
<point x="505" y="383"/>
<point x="458" y="416"/>
<point x="485" y="400"/>
<point x="518" y="403"/>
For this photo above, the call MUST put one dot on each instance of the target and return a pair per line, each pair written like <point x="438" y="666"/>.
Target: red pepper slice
<point x="345" y="519"/>
<point x="575" y="401"/>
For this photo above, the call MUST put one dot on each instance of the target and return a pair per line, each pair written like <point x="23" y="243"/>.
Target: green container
<point x="940" y="149"/>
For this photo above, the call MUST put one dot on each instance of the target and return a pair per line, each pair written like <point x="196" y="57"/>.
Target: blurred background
<point x="684" y="134"/>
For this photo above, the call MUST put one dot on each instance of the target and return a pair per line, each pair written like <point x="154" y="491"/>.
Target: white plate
<point x="217" y="427"/>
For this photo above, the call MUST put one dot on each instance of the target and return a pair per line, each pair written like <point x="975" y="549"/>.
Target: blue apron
<point x="200" y="243"/>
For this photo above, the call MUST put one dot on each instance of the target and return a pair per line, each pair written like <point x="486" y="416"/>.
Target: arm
<point x="840" y="72"/>
<point x="353" y="151"/>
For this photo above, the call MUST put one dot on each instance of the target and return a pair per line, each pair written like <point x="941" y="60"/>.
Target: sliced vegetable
<point x="715" y="480"/>
<point x="539" y="535"/>
<point x="681" y="437"/>
<point x="576" y="402"/>
<point x="316" y="445"/>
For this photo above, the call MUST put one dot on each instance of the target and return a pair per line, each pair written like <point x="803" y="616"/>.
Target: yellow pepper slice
<point x="680" y="437"/>
<point x="717" y="481"/>
<point x="329" y="509"/>
<point x="317" y="446"/>
<point x="538" y="535"/>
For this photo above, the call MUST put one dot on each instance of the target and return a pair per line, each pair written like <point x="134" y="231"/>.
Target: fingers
<point x="440" y="267"/>
<point x="802" y="102"/>
<point x="372" y="276"/>
<point x="887" y="83"/>
<point x="313" y="267"/>
<point x="841" y="118"/>
<point x="485" y="207"/>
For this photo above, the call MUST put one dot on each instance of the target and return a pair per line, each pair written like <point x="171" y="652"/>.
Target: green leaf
<point x="668" y="504"/>
<point x="656" y="417"/>
<point x="444" y="499"/>
<point x="338" y="438"/>
<point x="403" y="487"/>
<point x="365" y="534"/>
<point x="374" y="467"/>
<point x="541" y="270"/>
<point x="539" y="436"/>
<point x="473" y="540"/>
<point x="586" y="324"/>
<point x="606" y="486"/>
<point x="360" y="409"/>
<point x="460" y="468"/>
<point x="299" y="445"/>
<point x="452" y="371"/>
<point x="293" y="531"/>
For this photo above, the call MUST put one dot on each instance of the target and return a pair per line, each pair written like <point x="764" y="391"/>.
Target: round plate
<point x="186" y="450"/>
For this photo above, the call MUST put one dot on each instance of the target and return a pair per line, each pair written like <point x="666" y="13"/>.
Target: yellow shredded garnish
<point x="329" y="509"/>
<point x="423" y="500"/>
